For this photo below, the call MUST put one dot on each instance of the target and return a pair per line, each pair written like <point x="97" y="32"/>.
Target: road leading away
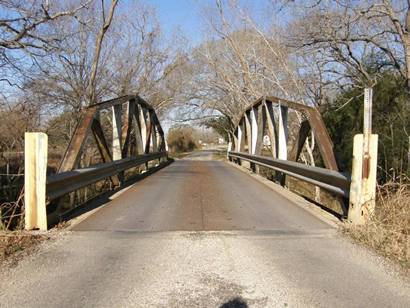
<point x="201" y="233"/>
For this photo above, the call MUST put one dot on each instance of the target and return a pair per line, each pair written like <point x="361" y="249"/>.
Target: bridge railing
<point x="269" y="115"/>
<point x="335" y="182"/>
<point x="132" y="117"/>
<point x="61" y="184"/>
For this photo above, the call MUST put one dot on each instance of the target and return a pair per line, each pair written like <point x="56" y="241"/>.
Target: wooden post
<point x="35" y="172"/>
<point x="363" y="189"/>
<point x="364" y="168"/>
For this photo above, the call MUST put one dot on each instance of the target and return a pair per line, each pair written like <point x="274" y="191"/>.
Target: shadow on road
<point x="235" y="303"/>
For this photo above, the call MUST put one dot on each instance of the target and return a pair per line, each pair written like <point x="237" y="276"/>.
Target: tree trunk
<point x="98" y="44"/>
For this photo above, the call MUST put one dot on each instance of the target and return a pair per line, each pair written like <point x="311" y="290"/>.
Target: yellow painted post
<point x="35" y="172"/>
<point x="363" y="187"/>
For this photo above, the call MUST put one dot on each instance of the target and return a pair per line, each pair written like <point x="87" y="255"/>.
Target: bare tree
<point x="98" y="44"/>
<point x="27" y="29"/>
<point x="133" y="58"/>
<point x="347" y="34"/>
<point x="148" y="64"/>
<point x="22" y="29"/>
<point x="240" y="63"/>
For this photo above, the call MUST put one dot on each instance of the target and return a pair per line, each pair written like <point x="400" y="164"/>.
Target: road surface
<point x="201" y="233"/>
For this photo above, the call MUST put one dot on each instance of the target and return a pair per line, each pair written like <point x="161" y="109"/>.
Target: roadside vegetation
<point x="181" y="140"/>
<point x="388" y="231"/>
<point x="184" y="139"/>
<point x="14" y="245"/>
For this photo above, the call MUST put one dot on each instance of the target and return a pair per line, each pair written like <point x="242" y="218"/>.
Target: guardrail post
<point x="363" y="188"/>
<point x="364" y="168"/>
<point x="35" y="171"/>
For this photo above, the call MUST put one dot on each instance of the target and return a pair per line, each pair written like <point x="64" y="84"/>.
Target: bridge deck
<point x="270" y="253"/>
<point x="200" y="195"/>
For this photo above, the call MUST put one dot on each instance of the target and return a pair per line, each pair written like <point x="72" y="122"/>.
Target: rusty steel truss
<point x="138" y="116"/>
<point x="271" y="114"/>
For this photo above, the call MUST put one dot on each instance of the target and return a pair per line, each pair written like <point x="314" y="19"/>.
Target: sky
<point x="186" y="15"/>
<point x="179" y="14"/>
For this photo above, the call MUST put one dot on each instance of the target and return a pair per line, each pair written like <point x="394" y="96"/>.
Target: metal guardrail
<point x="330" y="180"/>
<point x="62" y="183"/>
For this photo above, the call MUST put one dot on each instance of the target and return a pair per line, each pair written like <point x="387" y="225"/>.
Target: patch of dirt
<point x="15" y="245"/>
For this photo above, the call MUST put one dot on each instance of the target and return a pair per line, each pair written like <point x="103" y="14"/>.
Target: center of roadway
<point x="200" y="194"/>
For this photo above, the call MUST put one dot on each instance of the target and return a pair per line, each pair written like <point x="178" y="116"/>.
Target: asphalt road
<point x="201" y="233"/>
<point x="200" y="195"/>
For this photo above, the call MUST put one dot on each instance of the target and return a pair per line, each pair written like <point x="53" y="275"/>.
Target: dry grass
<point x="388" y="230"/>
<point x="12" y="214"/>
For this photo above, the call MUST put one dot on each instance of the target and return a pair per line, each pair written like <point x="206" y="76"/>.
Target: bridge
<point x="200" y="231"/>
